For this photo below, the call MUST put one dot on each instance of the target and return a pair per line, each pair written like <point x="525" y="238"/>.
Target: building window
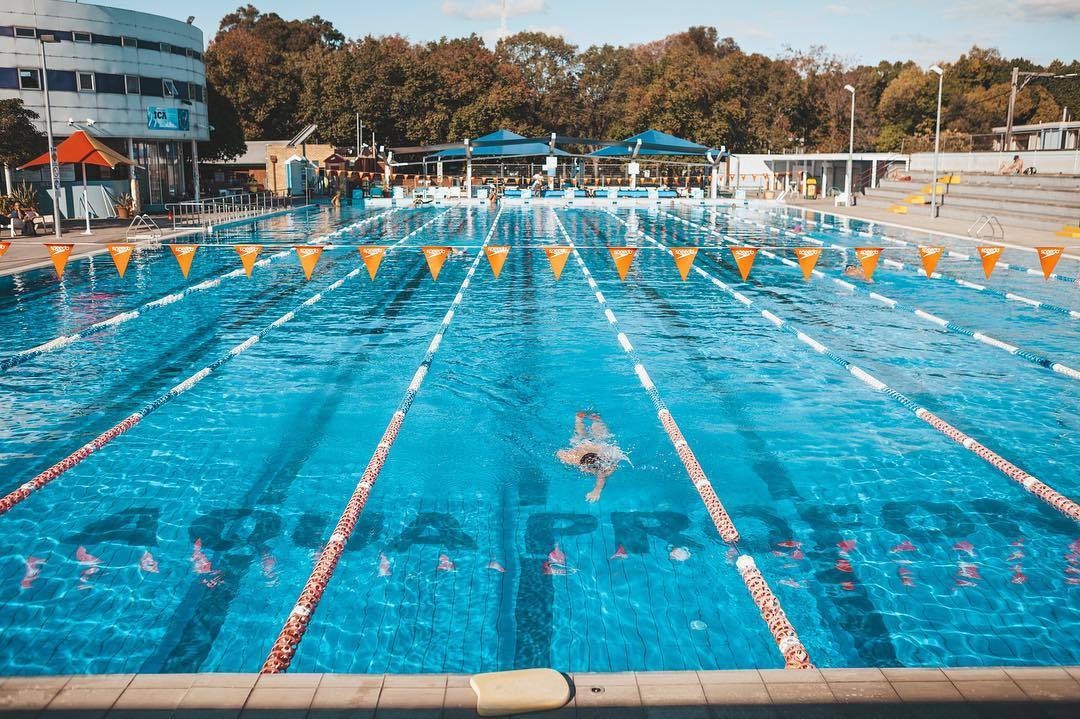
<point x="196" y="92"/>
<point x="26" y="32"/>
<point x="85" y="81"/>
<point x="131" y="83"/>
<point x="29" y="78"/>
<point x="166" y="47"/>
<point x="170" y="88"/>
<point x="77" y="36"/>
<point x="129" y="42"/>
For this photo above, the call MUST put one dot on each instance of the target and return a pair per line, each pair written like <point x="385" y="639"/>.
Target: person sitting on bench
<point x="1015" y="167"/>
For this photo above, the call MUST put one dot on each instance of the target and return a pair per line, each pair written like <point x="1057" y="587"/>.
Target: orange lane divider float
<point x="22" y="356"/>
<point x="783" y="633"/>
<point x="288" y="640"/>
<point x="929" y="255"/>
<point x="896" y="264"/>
<point x="76" y="457"/>
<point x="1029" y="482"/>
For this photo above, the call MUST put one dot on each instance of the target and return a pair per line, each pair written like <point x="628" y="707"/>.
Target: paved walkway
<point x="919" y="218"/>
<point x="909" y="693"/>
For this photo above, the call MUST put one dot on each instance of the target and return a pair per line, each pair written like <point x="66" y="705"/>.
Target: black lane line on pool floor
<point x="860" y="612"/>
<point x="200" y="616"/>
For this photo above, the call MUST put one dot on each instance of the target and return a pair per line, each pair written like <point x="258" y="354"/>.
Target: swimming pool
<point x="183" y="544"/>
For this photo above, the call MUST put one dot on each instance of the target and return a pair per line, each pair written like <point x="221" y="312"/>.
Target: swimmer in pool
<point x="856" y="272"/>
<point x="593" y="451"/>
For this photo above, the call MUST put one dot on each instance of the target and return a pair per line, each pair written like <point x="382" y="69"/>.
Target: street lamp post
<point x="849" y="184"/>
<point x="54" y="170"/>
<point x="937" y="142"/>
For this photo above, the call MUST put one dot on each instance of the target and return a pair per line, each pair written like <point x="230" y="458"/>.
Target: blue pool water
<point x="886" y="543"/>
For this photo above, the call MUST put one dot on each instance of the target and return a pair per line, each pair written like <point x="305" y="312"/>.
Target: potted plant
<point x="123" y="205"/>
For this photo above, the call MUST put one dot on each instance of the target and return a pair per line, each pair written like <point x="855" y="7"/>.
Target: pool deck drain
<point x="952" y="693"/>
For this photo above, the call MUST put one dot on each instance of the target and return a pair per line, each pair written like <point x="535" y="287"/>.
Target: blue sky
<point x="857" y="30"/>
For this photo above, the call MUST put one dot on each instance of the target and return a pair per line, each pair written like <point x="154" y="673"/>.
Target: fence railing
<point x="226" y="208"/>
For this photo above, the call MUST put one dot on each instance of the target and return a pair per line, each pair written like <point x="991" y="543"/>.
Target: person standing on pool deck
<point x="593" y="451"/>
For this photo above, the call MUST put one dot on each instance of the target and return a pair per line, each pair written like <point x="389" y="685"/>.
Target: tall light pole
<point x="848" y="183"/>
<point x="937" y="142"/>
<point x="54" y="169"/>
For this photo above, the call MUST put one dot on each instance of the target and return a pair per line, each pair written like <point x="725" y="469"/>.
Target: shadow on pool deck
<point x="1009" y="693"/>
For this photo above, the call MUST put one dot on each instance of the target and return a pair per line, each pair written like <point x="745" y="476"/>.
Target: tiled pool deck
<point x="954" y="693"/>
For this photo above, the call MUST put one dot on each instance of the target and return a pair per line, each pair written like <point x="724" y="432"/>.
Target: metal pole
<point x="7" y="179"/>
<point x="195" y="169"/>
<point x="86" y="201"/>
<point x="54" y="170"/>
<point x="1012" y="108"/>
<point x="937" y="146"/>
<point x="358" y="135"/>
<point x="851" y="153"/>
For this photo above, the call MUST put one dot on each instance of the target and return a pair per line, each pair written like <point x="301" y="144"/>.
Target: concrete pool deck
<point x="773" y="693"/>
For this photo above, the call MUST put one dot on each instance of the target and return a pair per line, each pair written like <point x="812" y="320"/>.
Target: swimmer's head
<point x="590" y="460"/>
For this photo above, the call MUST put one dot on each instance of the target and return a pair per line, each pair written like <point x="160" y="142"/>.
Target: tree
<point x="20" y="140"/>
<point x="226" y="134"/>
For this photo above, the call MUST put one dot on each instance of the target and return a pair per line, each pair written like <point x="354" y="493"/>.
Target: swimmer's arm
<point x="579" y="424"/>
<point x="601" y="480"/>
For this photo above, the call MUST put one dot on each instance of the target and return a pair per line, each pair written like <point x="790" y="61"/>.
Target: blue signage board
<point x="167" y="118"/>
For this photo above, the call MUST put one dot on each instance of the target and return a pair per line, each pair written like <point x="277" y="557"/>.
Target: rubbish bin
<point x="811" y="188"/>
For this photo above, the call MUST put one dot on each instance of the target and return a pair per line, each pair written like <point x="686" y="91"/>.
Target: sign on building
<point x="167" y="118"/>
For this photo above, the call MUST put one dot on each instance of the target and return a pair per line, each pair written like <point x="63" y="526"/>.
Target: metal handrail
<point x="226" y="208"/>
<point x="997" y="232"/>
<point x="143" y="222"/>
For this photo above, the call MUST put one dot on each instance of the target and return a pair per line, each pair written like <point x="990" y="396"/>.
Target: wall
<point x="1047" y="162"/>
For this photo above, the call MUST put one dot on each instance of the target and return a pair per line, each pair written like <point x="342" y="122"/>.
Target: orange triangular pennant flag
<point x="435" y="257"/>
<point x="807" y="257"/>
<point x="557" y="257"/>
<point x="309" y="256"/>
<point x="4" y="247"/>
<point x="496" y="255"/>
<point x="372" y="256"/>
<point x="1048" y="258"/>
<point x="868" y="258"/>
<point x="248" y="255"/>
<point x="623" y="256"/>
<point x="990" y="255"/>
<point x="684" y="258"/>
<point x="930" y="255"/>
<point x="184" y="254"/>
<point x="59" y="254"/>
<point x="120" y="255"/>
<point x="744" y="258"/>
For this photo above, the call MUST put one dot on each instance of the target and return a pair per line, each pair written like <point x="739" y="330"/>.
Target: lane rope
<point x="296" y="625"/>
<point x="783" y="633"/>
<point x="78" y="456"/>
<point x="52" y="345"/>
<point x="934" y="319"/>
<point x="1026" y="480"/>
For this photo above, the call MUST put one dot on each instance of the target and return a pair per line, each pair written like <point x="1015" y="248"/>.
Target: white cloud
<point x="1064" y="9"/>
<point x="841" y="10"/>
<point x="492" y="9"/>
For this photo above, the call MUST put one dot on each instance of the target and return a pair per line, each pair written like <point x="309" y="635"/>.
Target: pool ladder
<point x="997" y="232"/>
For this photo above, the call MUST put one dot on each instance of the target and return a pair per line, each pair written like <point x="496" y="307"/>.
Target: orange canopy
<point x="79" y="149"/>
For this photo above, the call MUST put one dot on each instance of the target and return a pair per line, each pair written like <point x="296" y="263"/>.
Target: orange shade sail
<point x="82" y="149"/>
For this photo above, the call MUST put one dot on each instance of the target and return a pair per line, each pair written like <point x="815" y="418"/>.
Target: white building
<point x="132" y="79"/>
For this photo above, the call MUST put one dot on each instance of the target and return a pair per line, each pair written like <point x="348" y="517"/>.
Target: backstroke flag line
<point x="373" y="257"/>
<point x="930" y="255"/>
<point x="807" y="257"/>
<point x="684" y="259"/>
<point x="990" y="255"/>
<point x="496" y="255"/>
<point x="59" y="254"/>
<point x="120" y="254"/>
<point x="309" y="256"/>
<point x="557" y="257"/>
<point x="1048" y="258"/>
<point x="248" y="255"/>
<point x="744" y="258"/>
<point x="4" y="247"/>
<point x="623" y="256"/>
<point x="184" y="254"/>
<point x="868" y="258"/>
<point x="435" y="257"/>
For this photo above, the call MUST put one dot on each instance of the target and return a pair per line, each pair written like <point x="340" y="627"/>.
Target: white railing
<point x="143" y="227"/>
<point x="226" y="208"/>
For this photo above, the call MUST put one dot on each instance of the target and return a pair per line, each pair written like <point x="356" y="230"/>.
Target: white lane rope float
<point x="59" y="468"/>
<point x="296" y="625"/>
<point x="787" y="640"/>
<point x="1055" y="499"/>
<point x="896" y="264"/>
<point x="933" y="319"/>
<point x="116" y="320"/>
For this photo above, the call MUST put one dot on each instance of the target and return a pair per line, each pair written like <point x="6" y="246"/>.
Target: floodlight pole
<point x="468" y="170"/>
<point x="54" y="170"/>
<point x="937" y="143"/>
<point x="633" y="159"/>
<point x="848" y="182"/>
